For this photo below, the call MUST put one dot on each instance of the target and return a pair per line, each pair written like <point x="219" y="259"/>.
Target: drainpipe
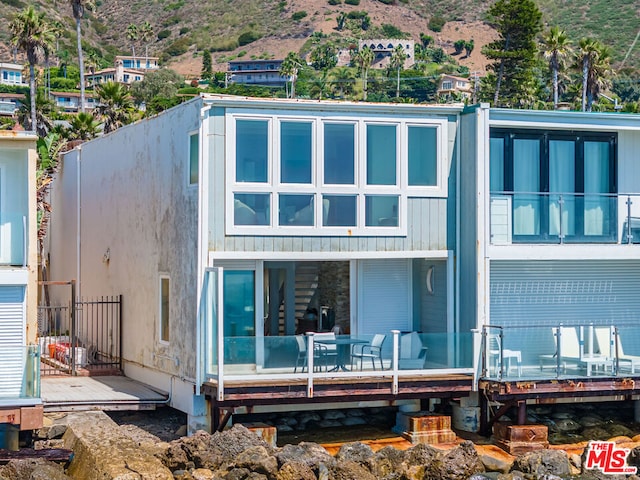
<point x="78" y="222"/>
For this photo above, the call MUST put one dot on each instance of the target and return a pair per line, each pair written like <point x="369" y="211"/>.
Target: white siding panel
<point x="12" y="341"/>
<point x="384" y="297"/>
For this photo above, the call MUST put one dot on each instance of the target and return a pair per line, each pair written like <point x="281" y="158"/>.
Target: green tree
<point x="132" y="36"/>
<point x="364" y="59"/>
<point x="320" y="86"/>
<point x="396" y="62"/>
<point x="468" y="47"/>
<point x="341" y="19"/>
<point x="78" y="7"/>
<point x="518" y="22"/>
<point x="207" y="67"/>
<point x="116" y="106"/>
<point x="459" y="46"/>
<point x="290" y="67"/>
<point x="49" y="148"/>
<point x="556" y="48"/>
<point x="425" y="40"/>
<point x="594" y="59"/>
<point x="146" y="35"/>
<point x="160" y="83"/>
<point x="31" y="33"/>
<point x="44" y="111"/>
<point x="324" y="57"/>
<point x="342" y="80"/>
<point x="83" y="127"/>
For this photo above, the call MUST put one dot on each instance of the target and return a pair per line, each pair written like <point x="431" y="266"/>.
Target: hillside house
<point x="256" y="72"/>
<point x="456" y="87"/>
<point x="70" y="101"/>
<point x="383" y="48"/>
<point x="20" y="405"/>
<point x="11" y="74"/>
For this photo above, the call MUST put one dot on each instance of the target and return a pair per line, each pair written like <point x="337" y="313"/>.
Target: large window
<point x="561" y="184"/>
<point x="316" y="175"/>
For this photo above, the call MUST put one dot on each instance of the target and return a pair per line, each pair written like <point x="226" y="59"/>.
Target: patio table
<point x="343" y="345"/>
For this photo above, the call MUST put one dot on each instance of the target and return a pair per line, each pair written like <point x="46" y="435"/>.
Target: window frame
<point x="544" y="137"/>
<point x="318" y="187"/>
<point x="161" y="330"/>
<point x="190" y="135"/>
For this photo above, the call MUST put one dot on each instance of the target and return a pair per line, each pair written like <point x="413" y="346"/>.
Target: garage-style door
<point x="12" y="340"/>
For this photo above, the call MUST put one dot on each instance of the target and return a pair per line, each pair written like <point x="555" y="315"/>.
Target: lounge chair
<point x="605" y="337"/>
<point x="570" y="350"/>
<point x="501" y="357"/>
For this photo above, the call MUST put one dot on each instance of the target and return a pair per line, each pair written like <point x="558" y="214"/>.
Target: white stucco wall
<point x="137" y="210"/>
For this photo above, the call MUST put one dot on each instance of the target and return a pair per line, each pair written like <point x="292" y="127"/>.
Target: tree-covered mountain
<point x="271" y="28"/>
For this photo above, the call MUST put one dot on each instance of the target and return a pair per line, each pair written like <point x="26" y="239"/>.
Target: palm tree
<point x="44" y="109"/>
<point x="342" y="79"/>
<point x="146" y="34"/>
<point x="364" y="59"/>
<point x="594" y="60"/>
<point x="556" y="47"/>
<point x="78" y="7"/>
<point x="132" y="36"/>
<point x="398" y="57"/>
<point x="320" y="85"/>
<point x="115" y="107"/>
<point x="83" y="127"/>
<point x="31" y="33"/>
<point x="290" y="67"/>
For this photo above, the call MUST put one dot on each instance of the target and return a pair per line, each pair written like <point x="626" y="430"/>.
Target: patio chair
<point x="412" y="352"/>
<point x="568" y="348"/>
<point x="605" y="338"/>
<point x="325" y="354"/>
<point x="372" y="351"/>
<point x="301" y="361"/>
<point x="503" y="357"/>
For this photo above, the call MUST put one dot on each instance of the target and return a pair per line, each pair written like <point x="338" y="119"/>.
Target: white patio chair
<point x="372" y="351"/>
<point x="605" y="336"/>
<point x="504" y="357"/>
<point x="325" y="354"/>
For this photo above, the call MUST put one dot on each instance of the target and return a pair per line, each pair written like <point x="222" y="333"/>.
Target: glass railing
<point x="560" y="351"/>
<point x="13" y="239"/>
<point x="346" y="354"/>
<point x="19" y="372"/>
<point x="533" y="217"/>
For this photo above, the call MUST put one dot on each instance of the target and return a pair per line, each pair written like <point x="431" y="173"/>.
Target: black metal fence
<point x="85" y="336"/>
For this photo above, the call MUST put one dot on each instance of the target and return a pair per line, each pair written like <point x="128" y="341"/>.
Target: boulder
<point x="356" y="452"/>
<point x="257" y="459"/>
<point x="237" y="439"/>
<point x="309" y="453"/>
<point x="543" y="462"/>
<point x="295" y="471"/>
<point x="202" y="474"/>
<point x="32" y="468"/>
<point x="388" y="463"/>
<point x="349" y="470"/>
<point x="461" y="461"/>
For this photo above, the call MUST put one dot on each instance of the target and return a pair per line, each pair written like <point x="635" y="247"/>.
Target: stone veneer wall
<point x="333" y="283"/>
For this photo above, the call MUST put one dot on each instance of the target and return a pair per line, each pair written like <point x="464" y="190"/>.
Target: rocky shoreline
<point x="105" y="450"/>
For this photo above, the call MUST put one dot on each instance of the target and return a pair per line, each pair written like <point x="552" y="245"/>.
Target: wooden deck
<point x="97" y="393"/>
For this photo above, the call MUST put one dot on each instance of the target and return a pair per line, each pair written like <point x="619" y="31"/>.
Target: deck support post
<point x="522" y="412"/>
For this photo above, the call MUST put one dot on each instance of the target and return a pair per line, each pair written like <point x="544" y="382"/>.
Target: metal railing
<point x="313" y="357"/>
<point x="559" y="352"/>
<point x="564" y="217"/>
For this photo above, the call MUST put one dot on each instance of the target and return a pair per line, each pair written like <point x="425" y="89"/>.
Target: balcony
<point x="322" y="357"/>
<point x="564" y="218"/>
<point x="561" y="352"/>
<point x="19" y="373"/>
<point x="13" y="239"/>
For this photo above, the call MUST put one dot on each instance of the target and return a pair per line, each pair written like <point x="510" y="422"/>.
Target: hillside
<point x="182" y="28"/>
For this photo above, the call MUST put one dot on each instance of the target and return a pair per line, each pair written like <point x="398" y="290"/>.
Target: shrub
<point x="13" y="3"/>
<point x="248" y="37"/>
<point x="356" y="14"/>
<point x="335" y="2"/>
<point x="174" y="6"/>
<point x="436" y="23"/>
<point x="178" y="47"/>
<point x="388" y="2"/>
<point x="173" y="20"/>
<point x="224" y="45"/>
<point x="192" y="90"/>
<point x="352" y="2"/>
<point x="391" y="31"/>
<point x="297" y="16"/>
<point x="184" y="30"/>
<point x="162" y="34"/>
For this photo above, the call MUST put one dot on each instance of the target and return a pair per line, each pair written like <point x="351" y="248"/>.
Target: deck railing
<point x="19" y="372"/>
<point x="313" y="357"/>
<point x="564" y="218"/>
<point x="563" y="351"/>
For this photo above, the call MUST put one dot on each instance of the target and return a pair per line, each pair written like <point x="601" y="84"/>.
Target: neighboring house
<point x="70" y="101"/>
<point x="118" y="74"/>
<point x="550" y="237"/>
<point x="11" y="74"/>
<point x="458" y="87"/>
<point x="383" y="48"/>
<point x="139" y="62"/>
<point x="256" y="72"/>
<point x="10" y="103"/>
<point x="20" y="405"/>
<point x="231" y="224"/>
